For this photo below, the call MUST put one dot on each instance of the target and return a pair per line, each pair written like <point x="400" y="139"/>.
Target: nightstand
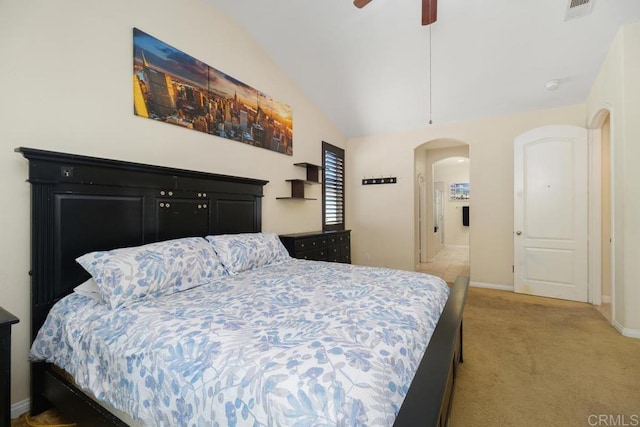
<point x="6" y="320"/>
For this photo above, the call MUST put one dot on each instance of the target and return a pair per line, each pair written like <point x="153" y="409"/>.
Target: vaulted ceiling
<point x="377" y="69"/>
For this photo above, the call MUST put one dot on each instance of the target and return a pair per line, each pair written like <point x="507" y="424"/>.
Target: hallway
<point x="448" y="263"/>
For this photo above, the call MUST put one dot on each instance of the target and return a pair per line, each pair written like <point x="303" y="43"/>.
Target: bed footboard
<point x="54" y="389"/>
<point x="429" y="398"/>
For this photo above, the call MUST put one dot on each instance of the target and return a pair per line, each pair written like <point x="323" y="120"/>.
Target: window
<point x="332" y="187"/>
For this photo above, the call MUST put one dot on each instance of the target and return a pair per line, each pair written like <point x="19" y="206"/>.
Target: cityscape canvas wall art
<point x="173" y="87"/>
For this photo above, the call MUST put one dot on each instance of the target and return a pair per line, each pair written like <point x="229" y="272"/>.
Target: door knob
<point x="518" y="233"/>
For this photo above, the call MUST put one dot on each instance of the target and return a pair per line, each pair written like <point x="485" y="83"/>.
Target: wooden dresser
<point x="6" y="320"/>
<point x="333" y="246"/>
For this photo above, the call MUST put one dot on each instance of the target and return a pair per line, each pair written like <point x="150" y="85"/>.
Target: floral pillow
<point x="241" y="252"/>
<point x="128" y="274"/>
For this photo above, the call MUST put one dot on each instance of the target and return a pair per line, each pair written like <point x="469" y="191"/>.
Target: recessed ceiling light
<point x="552" y="84"/>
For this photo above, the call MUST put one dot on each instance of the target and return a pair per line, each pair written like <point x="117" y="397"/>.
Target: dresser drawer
<point x="338" y="238"/>
<point x="345" y="253"/>
<point x="310" y="243"/>
<point x="313" y="255"/>
<point x="333" y="253"/>
<point x="319" y="246"/>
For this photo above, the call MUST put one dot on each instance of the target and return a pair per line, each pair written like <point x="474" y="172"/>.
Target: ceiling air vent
<point x="578" y="9"/>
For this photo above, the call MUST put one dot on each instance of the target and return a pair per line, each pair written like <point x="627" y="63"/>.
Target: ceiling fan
<point x="429" y="9"/>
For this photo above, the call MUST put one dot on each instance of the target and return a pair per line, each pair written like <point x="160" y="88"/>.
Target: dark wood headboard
<point x="82" y="204"/>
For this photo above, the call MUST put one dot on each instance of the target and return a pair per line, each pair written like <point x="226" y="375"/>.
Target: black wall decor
<point x="388" y="180"/>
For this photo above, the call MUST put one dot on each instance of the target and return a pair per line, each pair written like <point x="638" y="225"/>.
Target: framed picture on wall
<point x="459" y="191"/>
<point x="173" y="87"/>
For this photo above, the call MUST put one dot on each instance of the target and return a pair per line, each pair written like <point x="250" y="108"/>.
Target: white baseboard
<point x="492" y="286"/>
<point x="631" y="333"/>
<point x="20" y="408"/>
<point x="606" y="299"/>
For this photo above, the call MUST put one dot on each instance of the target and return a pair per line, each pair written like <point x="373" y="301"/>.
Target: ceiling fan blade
<point x="429" y="11"/>
<point x="361" y="3"/>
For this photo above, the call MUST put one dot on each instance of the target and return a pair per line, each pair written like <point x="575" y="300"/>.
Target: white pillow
<point x="89" y="289"/>
<point x="241" y="252"/>
<point x="128" y="274"/>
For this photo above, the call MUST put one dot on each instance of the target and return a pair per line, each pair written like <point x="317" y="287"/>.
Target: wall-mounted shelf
<point x="297" y="185"/>
<point x="313" y="171"/>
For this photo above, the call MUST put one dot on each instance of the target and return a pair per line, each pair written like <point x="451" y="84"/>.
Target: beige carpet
<point x="532" y="361"/>
<point x="50" y="418"/>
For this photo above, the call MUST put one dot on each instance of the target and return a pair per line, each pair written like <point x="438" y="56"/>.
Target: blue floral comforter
<point x="300" y="343"/>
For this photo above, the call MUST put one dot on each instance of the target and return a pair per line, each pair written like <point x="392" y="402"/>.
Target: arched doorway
<point x="442" y="220"/>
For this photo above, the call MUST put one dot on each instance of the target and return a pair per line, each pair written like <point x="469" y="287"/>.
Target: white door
<point x="550" y="216"/>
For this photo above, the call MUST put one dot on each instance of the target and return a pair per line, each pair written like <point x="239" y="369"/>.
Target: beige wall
<point x="631" y="184"/>
<point x="617" y="88"/>
<point x="455" y="234"/>
<point x="384" y="229"/>
<point x="66" y="86"/>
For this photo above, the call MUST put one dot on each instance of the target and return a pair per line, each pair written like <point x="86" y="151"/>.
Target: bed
<point x="83" y="205"/>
